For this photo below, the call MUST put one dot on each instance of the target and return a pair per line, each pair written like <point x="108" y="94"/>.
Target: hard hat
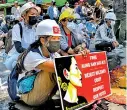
<point x="98" y="3"/>
<point x="68" y="13"/>
<point x="110" y="16"/>
<point x="26" y="7"/>
<point x="48" y="28"/>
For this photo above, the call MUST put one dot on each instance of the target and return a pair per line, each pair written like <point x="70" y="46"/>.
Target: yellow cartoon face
<point x="75" y="74"/>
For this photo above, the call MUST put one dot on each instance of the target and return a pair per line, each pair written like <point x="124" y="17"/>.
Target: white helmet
<point x="48" y="28"/>
<point x="26" y="7"/>
<point x="110" y="16"/>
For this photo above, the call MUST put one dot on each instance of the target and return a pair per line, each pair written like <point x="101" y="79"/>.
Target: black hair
<point x="61" y="64"/>
<point x="89" y="13"/>
<point x="54" y="3"/>
<point x="36" y="44"/>
<point x="46" y="17"/>
<point x="110" y="6"/>
<point x="66" y="2"/>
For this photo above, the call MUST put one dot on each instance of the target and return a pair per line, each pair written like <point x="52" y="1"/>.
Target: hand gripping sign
<point x="82" y="80"/>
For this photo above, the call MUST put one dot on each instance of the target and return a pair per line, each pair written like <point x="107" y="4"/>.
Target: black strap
<point x="21" y="30"/>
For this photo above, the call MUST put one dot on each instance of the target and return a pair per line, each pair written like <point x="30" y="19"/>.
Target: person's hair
<point x="89" y="13"/>
<point x="66" y="2"/>
<point x="61" y="64"/>
<point x="46" y="17"/>
<point x="54" y="3"/>
<point x="36" y="44"/>
<point x="110" y="6"/>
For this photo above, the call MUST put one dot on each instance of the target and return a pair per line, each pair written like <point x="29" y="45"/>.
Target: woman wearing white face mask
<point x="66" y="6"/>
<point x="70" y="42"/>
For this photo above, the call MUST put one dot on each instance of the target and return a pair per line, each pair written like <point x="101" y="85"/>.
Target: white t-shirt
<point x="55" y="12"/>
<point x="33" y="59"/>
<point x="28" y="36"/>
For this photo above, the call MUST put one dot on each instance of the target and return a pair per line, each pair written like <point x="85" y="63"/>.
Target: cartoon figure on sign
<point x="70" y="82"/>
<point x="74" y="76"/>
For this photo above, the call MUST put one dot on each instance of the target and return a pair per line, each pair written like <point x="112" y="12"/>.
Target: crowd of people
<point x="45" y="36"/>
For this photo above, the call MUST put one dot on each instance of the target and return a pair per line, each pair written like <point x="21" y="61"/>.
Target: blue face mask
<point x="71" y="26"/>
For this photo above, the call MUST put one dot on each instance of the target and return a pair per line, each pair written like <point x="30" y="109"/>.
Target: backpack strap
<point x="21" y="30"/>
<point x="20" y="61"/>
<point x="36" y="50"/>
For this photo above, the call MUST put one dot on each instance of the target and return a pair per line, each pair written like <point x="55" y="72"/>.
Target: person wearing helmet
<point x="98" y="3"/>
<point x="40" y="59"/>
<point x="98" y="8"/>
<point x="71" y="41"/>
<point x="15" y="10"/>
<point x="23" y="35"/>
<point x="104" y="38"/>
<point x="111" y="11"/>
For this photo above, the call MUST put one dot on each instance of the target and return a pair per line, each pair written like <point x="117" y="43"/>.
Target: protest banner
<point x="82" y="80"/>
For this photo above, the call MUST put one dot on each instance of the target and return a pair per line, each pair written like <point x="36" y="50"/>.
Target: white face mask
<point x="112" y="23"/>
<point x="67" y="5"/>
<point x="71" y="26"/>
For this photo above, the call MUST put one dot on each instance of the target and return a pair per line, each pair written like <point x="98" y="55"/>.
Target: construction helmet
<point x="98" y="3"/>
<point x="26" y="7"/>
<point x="48" y="28"/>
<point x="110" y="16"/>
<point x="68" y="13"/>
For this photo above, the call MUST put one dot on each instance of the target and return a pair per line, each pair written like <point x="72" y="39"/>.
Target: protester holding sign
<point x="71" y="41"/>
<point x="40" y="58"/>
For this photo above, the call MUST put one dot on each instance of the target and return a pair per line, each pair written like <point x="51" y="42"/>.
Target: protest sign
<point x="82" y="80"/>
